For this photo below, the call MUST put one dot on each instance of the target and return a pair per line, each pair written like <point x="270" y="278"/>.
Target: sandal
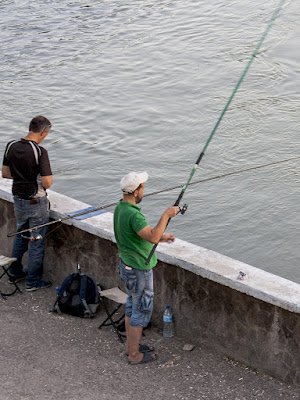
<point x="146" y="358"/>
<point x="143" y="348"/>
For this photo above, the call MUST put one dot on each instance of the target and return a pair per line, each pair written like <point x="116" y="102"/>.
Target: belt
<point x="30" y="201"/>
<point x="33" y="201"/>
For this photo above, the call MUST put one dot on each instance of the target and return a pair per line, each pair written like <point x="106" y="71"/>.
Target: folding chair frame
<point x="115" y="323"/>
<point x="5" y="264"/>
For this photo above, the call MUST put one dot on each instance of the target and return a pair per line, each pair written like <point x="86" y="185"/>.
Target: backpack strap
<point x="83" y="285"/>
<point x="68" y="280"/>
<point x="97" y="297"/>
<point x="9" y="146"/>
<point x="36" y="151"/>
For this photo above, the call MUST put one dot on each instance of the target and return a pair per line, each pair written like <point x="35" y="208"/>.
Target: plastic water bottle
<point x="168" y="331"/>
<point x="57" y="290"/>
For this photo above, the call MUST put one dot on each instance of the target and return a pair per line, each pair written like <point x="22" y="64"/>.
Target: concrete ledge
<point x="224" y="270"/>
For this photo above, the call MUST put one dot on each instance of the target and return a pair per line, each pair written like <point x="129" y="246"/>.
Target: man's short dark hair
<point x="39" y="123"/>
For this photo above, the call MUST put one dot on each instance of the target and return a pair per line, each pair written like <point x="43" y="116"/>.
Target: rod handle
<point x="151" y="254"/>
<point x="154" y="247"/>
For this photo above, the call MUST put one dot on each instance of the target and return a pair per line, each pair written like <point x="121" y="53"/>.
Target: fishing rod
<point x="255" y="52"/>
<point x="34" y="228"/>
<point x="90" y="211"/>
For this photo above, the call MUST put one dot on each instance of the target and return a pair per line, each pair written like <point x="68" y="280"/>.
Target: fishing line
<point x="255" y="52"/>
<point x="222" y="176"/>
<point x="145" y="195"/>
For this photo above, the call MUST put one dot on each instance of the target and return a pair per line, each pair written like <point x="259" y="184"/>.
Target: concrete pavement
<point x="47" y="356"/>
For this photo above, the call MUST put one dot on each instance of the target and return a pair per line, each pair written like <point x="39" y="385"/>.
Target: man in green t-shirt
<point x="135" y="238"/>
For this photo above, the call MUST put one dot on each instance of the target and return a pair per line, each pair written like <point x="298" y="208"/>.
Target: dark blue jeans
<point x="27" y="216"/>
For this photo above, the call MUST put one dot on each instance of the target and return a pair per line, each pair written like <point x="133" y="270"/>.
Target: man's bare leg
<point x="127" y="320"/>
<point x="134" y="335"/>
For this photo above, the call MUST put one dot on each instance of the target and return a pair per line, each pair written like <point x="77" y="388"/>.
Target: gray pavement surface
<point x="49" y="356"/>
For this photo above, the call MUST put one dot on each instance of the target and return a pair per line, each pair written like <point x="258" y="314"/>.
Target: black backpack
<point x="76" y="295"/>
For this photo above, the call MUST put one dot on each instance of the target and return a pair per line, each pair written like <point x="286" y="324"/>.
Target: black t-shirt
<point x="26" y="160"/>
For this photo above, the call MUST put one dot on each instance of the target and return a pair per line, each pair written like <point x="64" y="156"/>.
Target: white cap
<point x="132" y="181"/>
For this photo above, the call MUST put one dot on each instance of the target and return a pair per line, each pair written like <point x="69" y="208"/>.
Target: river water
<point x="139" y="85"/>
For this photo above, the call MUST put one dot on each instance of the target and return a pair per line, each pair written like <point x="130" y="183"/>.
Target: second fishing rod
<point x="92" y="210"/>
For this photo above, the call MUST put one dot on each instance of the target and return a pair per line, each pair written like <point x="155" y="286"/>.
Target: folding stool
<point x="5" y="264"/>
<point x="119" y="297"/>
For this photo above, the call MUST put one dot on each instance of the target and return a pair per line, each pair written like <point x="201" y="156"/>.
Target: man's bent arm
<point x="47" y="181"/>
<point x="6" y="172"/>
<point x="155" y="234"/>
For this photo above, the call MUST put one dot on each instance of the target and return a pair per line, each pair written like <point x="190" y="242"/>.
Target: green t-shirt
<point x="134" y="251"/>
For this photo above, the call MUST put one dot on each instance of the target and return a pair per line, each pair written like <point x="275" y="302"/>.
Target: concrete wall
<point x="255" y="321"/>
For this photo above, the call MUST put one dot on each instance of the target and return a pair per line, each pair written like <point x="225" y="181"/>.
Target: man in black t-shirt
<point x="28" y="165"/>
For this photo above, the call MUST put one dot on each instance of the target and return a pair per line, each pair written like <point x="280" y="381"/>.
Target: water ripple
<point x="140" y="85"/>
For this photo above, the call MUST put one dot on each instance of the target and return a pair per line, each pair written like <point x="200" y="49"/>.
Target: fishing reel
<point x="182" y="209"/>
<point x="32" y="238"/>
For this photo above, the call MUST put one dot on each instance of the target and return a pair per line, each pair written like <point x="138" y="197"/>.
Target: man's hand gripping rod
<point x="184" y="208"/>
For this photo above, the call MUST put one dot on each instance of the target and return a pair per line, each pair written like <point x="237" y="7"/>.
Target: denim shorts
<point x="139" y="287"/>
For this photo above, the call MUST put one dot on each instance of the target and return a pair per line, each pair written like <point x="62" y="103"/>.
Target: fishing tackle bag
<point x="77" y="296"/>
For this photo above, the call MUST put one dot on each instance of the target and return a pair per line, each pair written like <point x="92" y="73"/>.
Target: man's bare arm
<point x="6" y="172"/>
<point x="47" y="181"/>
<point x="154" y="235"/>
